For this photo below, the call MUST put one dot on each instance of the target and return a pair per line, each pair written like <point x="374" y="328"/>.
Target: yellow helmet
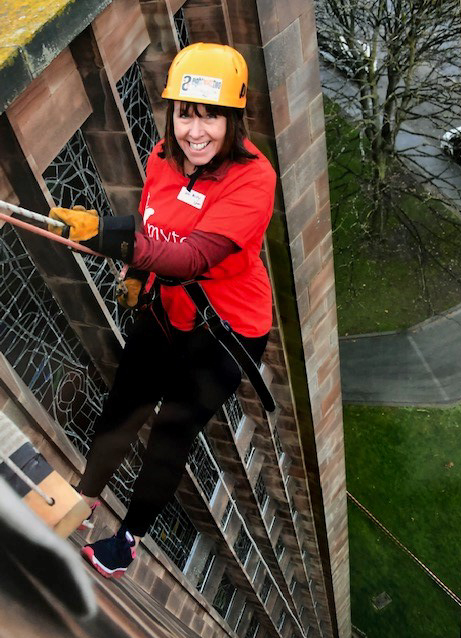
<point x="208" y="74"/>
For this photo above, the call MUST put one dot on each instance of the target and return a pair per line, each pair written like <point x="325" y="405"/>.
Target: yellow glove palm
<point x="83" y="224"/>
<point x="129" y="299"/>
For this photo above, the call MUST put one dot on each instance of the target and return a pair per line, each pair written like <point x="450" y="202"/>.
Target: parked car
<point x="451" y="144"/>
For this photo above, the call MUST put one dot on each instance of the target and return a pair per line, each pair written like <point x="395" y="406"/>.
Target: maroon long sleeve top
<point x="186" y="260"/>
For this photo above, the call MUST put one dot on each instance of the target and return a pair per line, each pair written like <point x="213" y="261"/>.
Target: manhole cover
<point x="381" y="601"/>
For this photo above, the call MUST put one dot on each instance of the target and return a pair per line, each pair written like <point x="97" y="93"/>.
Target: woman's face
<point x="200" y="137"/>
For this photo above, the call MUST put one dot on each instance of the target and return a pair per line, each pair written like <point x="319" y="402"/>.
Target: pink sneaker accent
<point x="112" y="556"/>
<point x="88" y="523"/>
<point x="88" y="554"/>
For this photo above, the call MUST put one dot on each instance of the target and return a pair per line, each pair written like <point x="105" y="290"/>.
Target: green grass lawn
<point x="380" y="287"/>
<point x="419" y="609"/>
<point x="404" y="465"/>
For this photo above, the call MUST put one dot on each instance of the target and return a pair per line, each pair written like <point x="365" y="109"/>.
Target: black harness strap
<point x="223" y="332"/>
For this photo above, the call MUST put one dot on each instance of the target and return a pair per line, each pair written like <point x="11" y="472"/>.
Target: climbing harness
<point x="219" y="328"/>
<point x="49" y="235"/>
<point x="222" y="332"/>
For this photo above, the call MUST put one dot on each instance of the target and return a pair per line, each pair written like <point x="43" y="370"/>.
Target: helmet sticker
<point x="200" y="87"/>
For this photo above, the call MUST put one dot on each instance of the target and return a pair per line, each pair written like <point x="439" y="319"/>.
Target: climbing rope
<point x="420" y="564"/>
<point x="49" y="235"/>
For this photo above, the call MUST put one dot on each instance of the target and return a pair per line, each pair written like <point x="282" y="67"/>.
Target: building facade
<point x="255" y="542"/>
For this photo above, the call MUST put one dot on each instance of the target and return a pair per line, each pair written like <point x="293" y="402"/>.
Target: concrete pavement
<point x="420" y="366"/>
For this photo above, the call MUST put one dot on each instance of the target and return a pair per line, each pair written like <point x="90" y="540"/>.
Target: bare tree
<point x="399" y="61"/>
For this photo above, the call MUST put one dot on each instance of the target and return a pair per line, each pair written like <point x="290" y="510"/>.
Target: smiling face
<point x="199" y="134"/>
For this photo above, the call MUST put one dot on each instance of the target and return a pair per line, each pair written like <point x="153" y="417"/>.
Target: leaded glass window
<point x="242" y="545"/>
<point x="227" y="514"/>
<point x="242" y="611"/>
<point x="42" y="348"/>
<point x="266" y="589"/>
<point x="279" y="548"/>
<point x="138" y="111"/>
<point x="260" y="492"/>
<point x="45" y="352"/>
<point x="278" y="444"/>
<point x="181" y="28"/>
<point x="202" y="579"/>
<point x="281" y="620"/>
<point x="233" y="411"/>
<point x="123" y="480"/>
<point x="174" y="532"/>
<point x="224" y="596"/>
<point x="203" y="468"/>
<point x="252" y="628"/>
<point x="72" y="179"/>
<point x="249" y="455"/>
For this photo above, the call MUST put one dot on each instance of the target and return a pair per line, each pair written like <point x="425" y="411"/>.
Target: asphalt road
<point x="421" y="366"/>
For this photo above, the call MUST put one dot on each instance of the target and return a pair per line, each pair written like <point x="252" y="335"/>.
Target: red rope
<point x="49" y="235"/>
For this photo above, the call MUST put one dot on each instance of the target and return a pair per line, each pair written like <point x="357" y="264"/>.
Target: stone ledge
<point x="33" y="33"/>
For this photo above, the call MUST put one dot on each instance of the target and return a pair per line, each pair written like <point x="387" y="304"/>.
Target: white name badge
<point x="193" y="198"/>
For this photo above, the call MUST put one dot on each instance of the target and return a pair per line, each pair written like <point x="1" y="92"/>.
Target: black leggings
<point x="193" y="375"/>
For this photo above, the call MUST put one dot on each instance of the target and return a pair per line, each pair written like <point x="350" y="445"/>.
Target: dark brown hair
<point x="233" y="148"/>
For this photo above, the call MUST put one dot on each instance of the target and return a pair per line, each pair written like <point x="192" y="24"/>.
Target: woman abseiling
<point x="206" y="203"/>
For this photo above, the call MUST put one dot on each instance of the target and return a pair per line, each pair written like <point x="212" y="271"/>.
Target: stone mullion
<point x="207" y="21"/>
<point x="157" y="57"/>
<point x="106" y="131"/>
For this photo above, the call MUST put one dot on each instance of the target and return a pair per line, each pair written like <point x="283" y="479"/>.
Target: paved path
<point x="421" y="366"/>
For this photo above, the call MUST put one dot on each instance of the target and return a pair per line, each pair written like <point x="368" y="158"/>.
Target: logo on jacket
<point x="148" y="211"/>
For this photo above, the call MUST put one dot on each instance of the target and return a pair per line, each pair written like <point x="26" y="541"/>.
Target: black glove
<point x="110" y="236"/>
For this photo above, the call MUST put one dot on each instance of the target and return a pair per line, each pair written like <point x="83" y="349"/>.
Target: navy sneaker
<point x="112" y="556"/>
